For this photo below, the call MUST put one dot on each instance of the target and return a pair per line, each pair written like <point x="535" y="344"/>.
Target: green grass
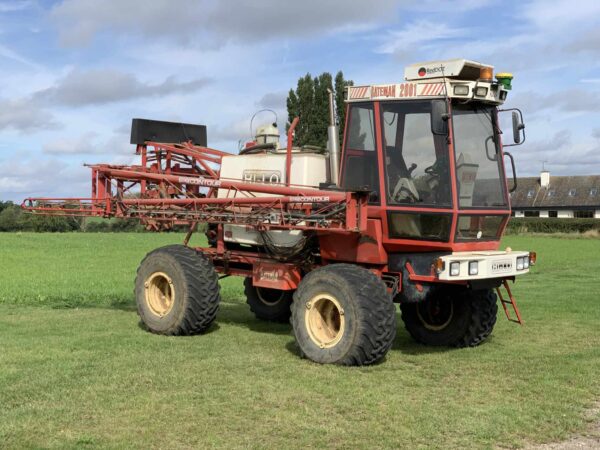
<point x="76" y="369"/>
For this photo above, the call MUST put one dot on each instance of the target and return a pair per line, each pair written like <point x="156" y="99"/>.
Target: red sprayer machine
<point x="410" y="211"/>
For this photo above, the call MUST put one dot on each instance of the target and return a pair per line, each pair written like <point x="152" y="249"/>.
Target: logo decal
<point x="422" y="72"/>
<point x="502" y="266"/>
<point x="262" y="176"/>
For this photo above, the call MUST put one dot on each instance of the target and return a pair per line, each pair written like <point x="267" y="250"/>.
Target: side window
<point x="360" y="167"/>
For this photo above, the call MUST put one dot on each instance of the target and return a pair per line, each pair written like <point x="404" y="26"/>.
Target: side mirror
<point x="517" y="127"/>
<point x="439" y="117"/>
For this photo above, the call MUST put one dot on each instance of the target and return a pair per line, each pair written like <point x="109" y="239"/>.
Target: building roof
<point x="562" y="192"/>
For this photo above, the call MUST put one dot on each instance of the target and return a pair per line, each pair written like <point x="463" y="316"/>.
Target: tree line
<point x="310" y="102"/>
<point x="13" y="218"/>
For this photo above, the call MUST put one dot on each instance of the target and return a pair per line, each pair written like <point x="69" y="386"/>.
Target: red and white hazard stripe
<point x="432" y="89"/>
<point x="358" y="92"/>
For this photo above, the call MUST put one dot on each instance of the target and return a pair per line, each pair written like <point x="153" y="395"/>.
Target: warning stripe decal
<point x="432" y="89"/>
<point x="359" y="92"/>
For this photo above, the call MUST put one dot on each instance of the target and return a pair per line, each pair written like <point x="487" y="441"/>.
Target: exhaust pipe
<point x="333" y="142"/>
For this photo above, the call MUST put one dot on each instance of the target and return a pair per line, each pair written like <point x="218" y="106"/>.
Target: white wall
<point x="565" y="214"/>
<point x="597" y="214"/>
<point x="521" y="213"/>
<point x="543" y="213"/>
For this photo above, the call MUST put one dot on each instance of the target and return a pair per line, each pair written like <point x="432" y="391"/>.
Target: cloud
<point x="416" y="34"/>
<point x="70" y="146"/>
<point x="25" y="115"/>
<point x="8" y="53"/>
<point x="78" y="21"/>
<point x="567" y="100"/>
<point x="588" y="42"/>
<point x="273" y="100"/>
<point x="90" y="143"/>
<point x="15" y="5"/>
<point x="100" y="86"/>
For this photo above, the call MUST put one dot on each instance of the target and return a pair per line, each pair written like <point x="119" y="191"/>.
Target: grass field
<point x="77" y="370"/>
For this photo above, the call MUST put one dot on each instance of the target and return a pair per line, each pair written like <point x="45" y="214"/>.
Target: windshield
<point x="416" y="160"/>
<point x="479" y="174"/>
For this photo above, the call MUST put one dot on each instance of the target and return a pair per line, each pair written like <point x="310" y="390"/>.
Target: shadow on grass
<point x="239" y="314"/>
<point x="214" y="327"/>
<point x="124" y="303"/>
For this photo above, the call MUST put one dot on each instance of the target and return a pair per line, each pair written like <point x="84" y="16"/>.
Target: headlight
<point x="525" y="262"/>
<point x="473" y="267"/>
<point x="461" y="89"/>
<point x="481" y="91"/>
<point x="520" y="263"/>
<point x="454" y="269"/>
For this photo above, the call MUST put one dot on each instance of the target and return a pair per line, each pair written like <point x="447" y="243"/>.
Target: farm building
<point x="557" y="196"/>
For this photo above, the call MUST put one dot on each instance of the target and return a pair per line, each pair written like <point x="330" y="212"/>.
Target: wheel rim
<point x="435" y="314"/>
<point x="160" y="293"/>
<point x="269" y="297"/>
<point x="325" y="320"/>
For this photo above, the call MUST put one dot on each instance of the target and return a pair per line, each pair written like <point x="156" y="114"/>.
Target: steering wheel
<point x="432" y="171"/>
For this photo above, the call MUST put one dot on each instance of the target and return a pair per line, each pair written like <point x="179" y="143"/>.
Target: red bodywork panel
<point x="365" y="248"/>
<point x="179" y="183"/>
<point x="275" y="275"/>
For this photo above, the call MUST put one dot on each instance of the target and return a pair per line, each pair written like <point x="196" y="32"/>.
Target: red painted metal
<point x="510" y="301"/>
<point x="180" y="184"/>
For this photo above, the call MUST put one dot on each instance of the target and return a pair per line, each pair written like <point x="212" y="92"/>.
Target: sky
<point x="75" y="72"/>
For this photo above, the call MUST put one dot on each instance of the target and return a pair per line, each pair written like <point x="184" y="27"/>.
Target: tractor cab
<point x="430" y="151"/>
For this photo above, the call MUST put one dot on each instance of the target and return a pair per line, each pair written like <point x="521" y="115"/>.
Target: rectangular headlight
<point x="473" y="267"/>
<point x="525" y="262"/>
<point x="454" y="269"/>
<point x="520" y="263"/>
<point x="461" y="89"/>
<point x="481" y="91"/>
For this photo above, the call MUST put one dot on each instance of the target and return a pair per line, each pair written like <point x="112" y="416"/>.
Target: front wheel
<point x="343" y="314"/>
<point x="454" y="317"/>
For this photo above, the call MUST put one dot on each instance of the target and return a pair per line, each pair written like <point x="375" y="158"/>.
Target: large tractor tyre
<point x="177" y="291"/>
<point x="454" y="318"/>
<point x="343" y="314"/>
<point x="272" y="305"/>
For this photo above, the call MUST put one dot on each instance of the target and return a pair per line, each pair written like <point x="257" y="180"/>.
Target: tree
<point x="340" y="87"/>
<point x="310" y="102"/>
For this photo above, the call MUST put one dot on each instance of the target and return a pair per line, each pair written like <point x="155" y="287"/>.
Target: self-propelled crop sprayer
<point x="411" y="211"/>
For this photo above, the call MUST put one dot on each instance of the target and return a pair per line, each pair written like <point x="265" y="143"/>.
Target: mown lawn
<point x="76" y="369"/>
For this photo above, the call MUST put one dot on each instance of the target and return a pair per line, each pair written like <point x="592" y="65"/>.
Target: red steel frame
<point x="179" y="184"/>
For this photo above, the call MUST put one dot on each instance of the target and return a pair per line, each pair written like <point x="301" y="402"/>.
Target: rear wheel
<point x="343" y="314"/>
<point x="177" y="291"/>
<point x="453" y="317"/>
<point x="268" y="304"/>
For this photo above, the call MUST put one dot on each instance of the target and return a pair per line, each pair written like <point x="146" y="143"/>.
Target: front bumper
<point x="490" y="264"/>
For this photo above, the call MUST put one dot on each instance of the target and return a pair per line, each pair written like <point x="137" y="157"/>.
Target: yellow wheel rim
<point x="160" y="293"/>
<point x="325" y="320"/>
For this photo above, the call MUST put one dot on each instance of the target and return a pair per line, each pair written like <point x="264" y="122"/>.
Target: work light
<point x="473" y="267"/>
<point x="461" y="89"/>
<point x="454" y="269"/>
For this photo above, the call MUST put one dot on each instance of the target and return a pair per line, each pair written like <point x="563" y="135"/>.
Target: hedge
<point x="553" y="225"/>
